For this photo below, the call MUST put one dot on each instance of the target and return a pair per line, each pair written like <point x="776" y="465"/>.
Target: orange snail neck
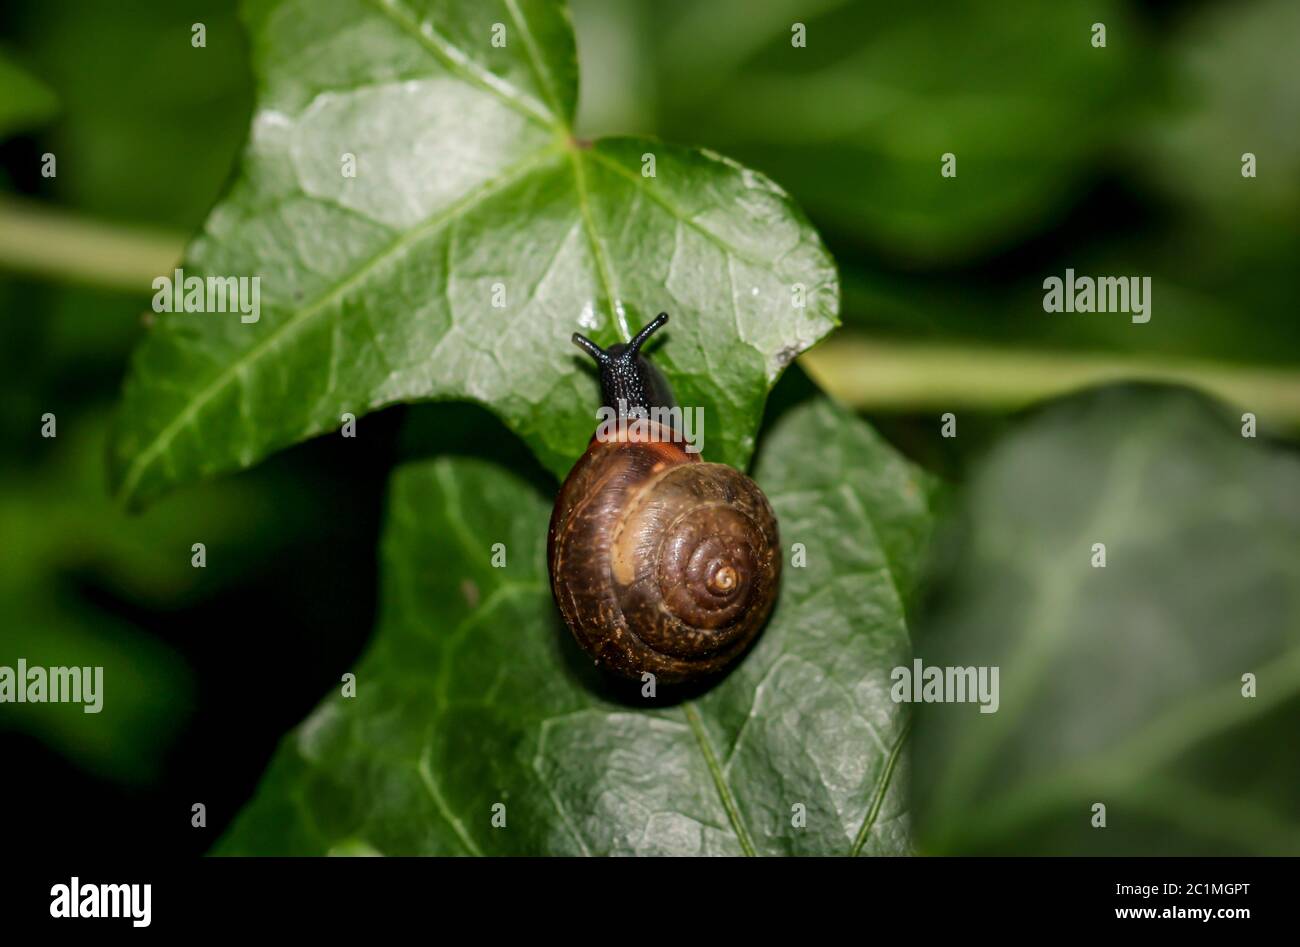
<point x="637" y="405"/>
<point x="664" y="437"/>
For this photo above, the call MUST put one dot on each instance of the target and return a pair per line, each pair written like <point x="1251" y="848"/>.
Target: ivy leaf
<point x="1120" y="685"/>
<point x="474" y="694"/>
<point x="476" y="236"/>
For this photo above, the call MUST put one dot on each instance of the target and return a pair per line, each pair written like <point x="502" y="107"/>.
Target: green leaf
<point x="1240" y="77"/>
<point x="856" y="122"/>
<point x="474" y="694"/>
<point x="379" y="288"/>
<point x="1120" y="685"/>
<point x="25" y="101"/>
<point x="60" y="526"/>
<point x="1223" y="258"/>
<point x="155" y="144"/>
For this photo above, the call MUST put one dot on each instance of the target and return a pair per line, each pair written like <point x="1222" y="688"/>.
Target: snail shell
<point x="660" y="562"/>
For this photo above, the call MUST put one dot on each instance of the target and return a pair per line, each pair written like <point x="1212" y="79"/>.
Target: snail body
<point x="659" y="561"/>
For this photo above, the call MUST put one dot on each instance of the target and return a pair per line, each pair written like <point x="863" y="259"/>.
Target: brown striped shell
<point x="660" y="562"/>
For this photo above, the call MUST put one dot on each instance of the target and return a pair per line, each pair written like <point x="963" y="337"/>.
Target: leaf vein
<point x="729" y="248"/>
<point x="431" y="787"/>
<point x="598" y="250"/>
<point x="534" y="59"/>
<point x="719" y="780"/>
<point x="456" y="62"/>
<point x="294" y="320"/>
<point x="878" y="797"/>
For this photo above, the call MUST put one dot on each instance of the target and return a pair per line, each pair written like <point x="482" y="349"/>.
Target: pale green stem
<point x="862" y="372"/>
<point x="38" y="240"/>
<point x="889" y="375"/>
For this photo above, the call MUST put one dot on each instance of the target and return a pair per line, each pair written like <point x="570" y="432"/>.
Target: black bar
<point x="438" y="896"/>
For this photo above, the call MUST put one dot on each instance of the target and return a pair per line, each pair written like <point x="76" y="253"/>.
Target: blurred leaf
<point x="150" y="125"/>
<point x="77" y="574"/>
<point x="1220" y="249"/>
<point x="146" y="688"/>
<point x="1237" y="74"/>
<point x="148" y="129"/>
<point x="25" y="101"/>
<point x="856" y="123"/>
<point x="1132" y="149"/>
<point x="82" y="582"/>
<point x="144" y="132"/>
<point x="474" y="693"/>
<point x="379" y="288"/>
<point x="62" y="519"/>
<point x="1119" y="685"/>
<point x="59" y="525"/>
<point x="1207" y="303"/>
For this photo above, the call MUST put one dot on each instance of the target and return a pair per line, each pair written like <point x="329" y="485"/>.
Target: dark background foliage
<point x="1125" y="177"/>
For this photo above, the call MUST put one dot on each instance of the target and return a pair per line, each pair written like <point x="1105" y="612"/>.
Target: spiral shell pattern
<point x="660" y="562"/>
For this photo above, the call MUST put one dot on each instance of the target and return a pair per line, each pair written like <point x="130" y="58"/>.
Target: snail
<point x="659" y="561"/>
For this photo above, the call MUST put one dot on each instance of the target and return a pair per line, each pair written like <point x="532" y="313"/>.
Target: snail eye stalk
<point x="628" y="382"/>
<point x="590" y="347"/>
<point x="627" y="351"/>
<point x="650" y="329"/>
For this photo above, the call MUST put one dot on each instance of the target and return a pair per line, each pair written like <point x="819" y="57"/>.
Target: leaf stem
<point x="40" y="240"/>
<point x="895" y="375"/>
<point x="861" y="371"/>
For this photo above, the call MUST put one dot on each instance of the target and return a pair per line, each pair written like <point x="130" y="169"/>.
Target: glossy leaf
<point x="474" y="695"/>
<point x="474" y="238"/>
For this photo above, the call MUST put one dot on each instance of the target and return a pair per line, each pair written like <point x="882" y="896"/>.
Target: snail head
<point x="627" y="379"/>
